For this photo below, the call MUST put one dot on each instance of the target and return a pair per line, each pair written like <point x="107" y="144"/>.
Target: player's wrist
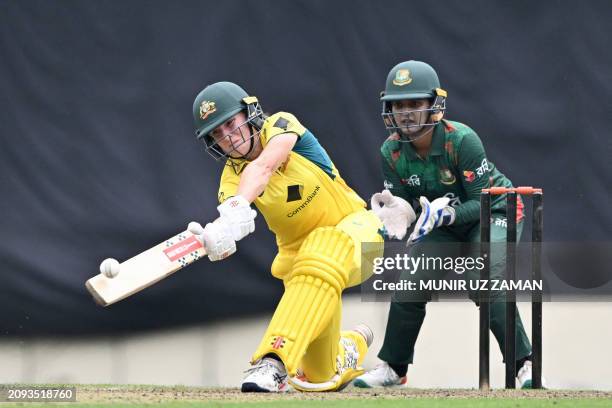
<point x="237" y="201"/>
<point x="237" y="213"/>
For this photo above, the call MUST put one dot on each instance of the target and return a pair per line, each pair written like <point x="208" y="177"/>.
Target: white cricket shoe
<point x="525" y="376"/>
<point x="381" y="376"/>
<point x="267" y="375"/>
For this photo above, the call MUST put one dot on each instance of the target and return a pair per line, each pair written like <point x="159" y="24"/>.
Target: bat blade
<point x="146" y="268"/>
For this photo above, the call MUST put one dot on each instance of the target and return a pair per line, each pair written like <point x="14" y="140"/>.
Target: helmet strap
<point x="438" y="106"/>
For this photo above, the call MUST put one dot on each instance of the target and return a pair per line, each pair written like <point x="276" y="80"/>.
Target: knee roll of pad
<point x="327" y="254"/>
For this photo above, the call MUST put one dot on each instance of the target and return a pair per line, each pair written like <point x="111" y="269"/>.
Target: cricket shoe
<point x="525" y="376"/>
<point x="266" y="375"/>
<point x="381" y="376"/>
<point x="351" y="353"/>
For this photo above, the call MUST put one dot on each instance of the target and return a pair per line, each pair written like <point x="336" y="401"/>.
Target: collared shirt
<point x="456" y="167"/>
<point x="305" y="193"/>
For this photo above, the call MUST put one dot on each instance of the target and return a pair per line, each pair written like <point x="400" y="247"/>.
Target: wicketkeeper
<point x="319" y="221"/>
<point x="441" y="167"/>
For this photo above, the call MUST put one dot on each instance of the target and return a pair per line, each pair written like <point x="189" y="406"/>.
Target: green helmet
<point x="216" y="104"/>
<point x="413" y="80"/>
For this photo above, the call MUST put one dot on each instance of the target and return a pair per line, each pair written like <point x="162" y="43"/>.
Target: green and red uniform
<point x="456" y="167"/>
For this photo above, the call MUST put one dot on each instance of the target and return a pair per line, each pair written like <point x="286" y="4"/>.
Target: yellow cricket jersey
<point x="307" y="192"/>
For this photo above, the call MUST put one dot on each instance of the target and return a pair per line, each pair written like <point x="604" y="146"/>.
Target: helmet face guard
<point x="412" y="80"/>
<point x="213" y="146"/>
<point x="424" y="117"/>
<point x="254" y="122"/>
<point x="214" y="106"/>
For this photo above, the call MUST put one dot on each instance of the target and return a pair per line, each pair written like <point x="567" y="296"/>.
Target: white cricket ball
<point x="109" y="267"/>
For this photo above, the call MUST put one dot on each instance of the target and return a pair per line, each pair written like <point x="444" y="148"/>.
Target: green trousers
<point x="407" y="311"/>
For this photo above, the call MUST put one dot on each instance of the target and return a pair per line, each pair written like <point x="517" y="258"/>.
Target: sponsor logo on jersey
<point x="469" y="176"/>
<point x="412" y="180"/>
<point x="388" y="185"/>
<point x="447" y="177"/>
<point x="307" y="201"/>
<point x="453" y="200"/>
<point x="294" y="192"/>
<point x="402" y="77"/>
<point x="182" y="248"/>
<point x="501" y="222"/>
<point x="484" y="167"/>
<point x="206" y="109"/>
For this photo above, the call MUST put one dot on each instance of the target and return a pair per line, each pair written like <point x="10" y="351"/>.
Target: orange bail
<point x="524" y="190"/>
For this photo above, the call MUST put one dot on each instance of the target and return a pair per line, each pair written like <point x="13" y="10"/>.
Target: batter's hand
<point x="238" y="214"/>
<point x="395" y="213"/>
<point x="216" y="237"/>
<point x="434" y="214"/>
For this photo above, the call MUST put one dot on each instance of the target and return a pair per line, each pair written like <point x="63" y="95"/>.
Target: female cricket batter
<point x="319" y="223"/>
<point x="432" y="159"/>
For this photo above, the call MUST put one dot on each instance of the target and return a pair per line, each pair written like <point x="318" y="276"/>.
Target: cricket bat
<point x="146" y="268"/>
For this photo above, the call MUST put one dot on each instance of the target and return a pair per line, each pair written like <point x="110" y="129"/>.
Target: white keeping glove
<point x="395" y="213"/>
<point x="239" y="215"/>
<point x="434" y="214"/>
<point x="216" y="237"/>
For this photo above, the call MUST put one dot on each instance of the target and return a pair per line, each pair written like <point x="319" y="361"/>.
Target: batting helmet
<point x="413" y="80"/>
<point x="216" y="104"/>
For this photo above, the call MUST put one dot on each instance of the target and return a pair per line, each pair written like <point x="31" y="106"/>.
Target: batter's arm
<point x="256" y="174"/>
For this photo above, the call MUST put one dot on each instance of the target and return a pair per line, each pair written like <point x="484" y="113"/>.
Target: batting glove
<point x="238" y="214"/>
<point x="434" y="214"/>
<point x="216" y="237"/>
<point x="395" y="213"/>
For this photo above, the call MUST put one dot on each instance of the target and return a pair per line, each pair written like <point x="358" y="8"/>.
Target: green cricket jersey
<point x="456" y="167"/>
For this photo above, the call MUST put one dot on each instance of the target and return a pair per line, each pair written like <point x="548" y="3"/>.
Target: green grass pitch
<point x="133" y="396"/>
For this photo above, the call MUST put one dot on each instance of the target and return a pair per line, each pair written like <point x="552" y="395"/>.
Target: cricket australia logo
<point x="402" y="77"/>
<point x="206" y="109"/>
<point x="413" y="181"/>
<point x="484" y="167"/>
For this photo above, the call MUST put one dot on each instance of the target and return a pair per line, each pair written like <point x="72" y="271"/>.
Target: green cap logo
<point x="402" y="77"/>
<point x="207" y="108"/>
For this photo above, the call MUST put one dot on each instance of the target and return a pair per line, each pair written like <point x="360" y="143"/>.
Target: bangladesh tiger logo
<point x="447" y="177"/>
<point x="402" y="77"/>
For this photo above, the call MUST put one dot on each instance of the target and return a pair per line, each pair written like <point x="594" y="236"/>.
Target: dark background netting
<point x="98" y="156"/>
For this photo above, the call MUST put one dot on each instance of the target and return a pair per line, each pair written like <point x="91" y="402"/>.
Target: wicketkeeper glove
<point x="395" y="213"/>
<point x="434" y="214"/>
